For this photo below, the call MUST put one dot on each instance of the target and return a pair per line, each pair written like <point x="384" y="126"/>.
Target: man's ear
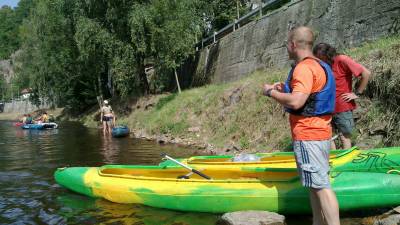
<point x="293" y="44"/>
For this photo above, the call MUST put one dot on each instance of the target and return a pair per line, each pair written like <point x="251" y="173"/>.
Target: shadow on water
<point x="29" y="194"/>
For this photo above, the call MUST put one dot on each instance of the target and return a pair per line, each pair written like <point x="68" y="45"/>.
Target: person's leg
<point x="344" y="123"/>
<point x="318" y="217"/>
<point x="333" y="145"/>
<point x="104" y="127"/>
<point x="302" y="160"/>
<point x="335" y="130"/>
<point x="346" y="140"/>
<point x="329" y="205"/>
<point x="314" y="164"/>
<point x="109" y="125"/>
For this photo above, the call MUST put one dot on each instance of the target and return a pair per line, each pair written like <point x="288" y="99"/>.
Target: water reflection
<point x="113" y="213"/>
<point x="110" y="149"/>
<point x="29" y="195"/>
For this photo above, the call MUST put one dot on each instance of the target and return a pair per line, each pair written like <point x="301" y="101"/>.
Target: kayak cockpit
<point x="263" y="158"/>
<point x="222" y="175"/>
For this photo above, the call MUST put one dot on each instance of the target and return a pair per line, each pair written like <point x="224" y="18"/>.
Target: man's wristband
<point x="359" y="93"/>
<point x="268" y="92"/>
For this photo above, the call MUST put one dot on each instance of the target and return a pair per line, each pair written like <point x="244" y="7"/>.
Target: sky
<point x="11" y="3"/>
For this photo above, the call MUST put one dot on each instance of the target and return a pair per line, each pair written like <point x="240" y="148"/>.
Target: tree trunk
<point x="97" y="89"/>
<point x="110" y="83"/>
<point x="177" y="81"/>
<point x="144" y="84"/>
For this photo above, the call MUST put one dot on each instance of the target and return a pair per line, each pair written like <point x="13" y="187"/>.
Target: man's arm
<point x="294" y="100"/>
<point x="365" y="75"/>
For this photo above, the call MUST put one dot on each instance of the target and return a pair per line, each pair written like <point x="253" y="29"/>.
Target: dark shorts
<point x="343" y="122"/>
<point x="107" y="118"/>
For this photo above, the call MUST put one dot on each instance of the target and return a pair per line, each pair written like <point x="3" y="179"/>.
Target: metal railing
<point x="266" y="4"/>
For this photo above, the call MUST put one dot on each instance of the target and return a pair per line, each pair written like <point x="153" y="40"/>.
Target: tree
<point x="49" y="53"/>
<point x="10" y="20"/>
<point x="8" y="32"/>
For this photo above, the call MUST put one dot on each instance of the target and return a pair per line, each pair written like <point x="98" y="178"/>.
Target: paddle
<point x="164" y="155"/>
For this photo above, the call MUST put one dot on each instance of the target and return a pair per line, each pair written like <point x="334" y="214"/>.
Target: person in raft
<point x="107" y="117"/>
<point x="29" y="119"/>
<point x="309" y="97"/>
<point x="344" y="68"/>
<point x="23" y="119"/>
<point x="44" y="118"/>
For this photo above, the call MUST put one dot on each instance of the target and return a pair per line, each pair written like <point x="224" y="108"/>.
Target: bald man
<point x="309" y="97"/>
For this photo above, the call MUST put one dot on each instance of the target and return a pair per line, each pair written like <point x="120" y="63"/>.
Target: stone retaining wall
<point x="22" y="107"/>
<point x="259" y="44"/>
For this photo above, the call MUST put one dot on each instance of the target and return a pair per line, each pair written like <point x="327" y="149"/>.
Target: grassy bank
<point x="237" y="114"/>
<point x="378" y="120"/>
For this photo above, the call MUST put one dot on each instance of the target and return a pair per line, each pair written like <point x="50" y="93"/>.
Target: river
<point x="29" y="194"/>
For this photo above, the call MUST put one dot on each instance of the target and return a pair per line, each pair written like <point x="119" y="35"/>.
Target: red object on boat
<point x="18" y="124"/>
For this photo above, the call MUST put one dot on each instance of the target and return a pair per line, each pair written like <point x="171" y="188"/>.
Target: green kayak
<point x="370" y="179"/>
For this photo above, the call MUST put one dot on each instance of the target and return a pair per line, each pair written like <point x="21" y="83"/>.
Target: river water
<point x="29" y="194"/>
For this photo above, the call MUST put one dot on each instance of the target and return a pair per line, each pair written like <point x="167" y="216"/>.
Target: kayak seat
<point x="183" y="177"/>
<point x="186" y="176"/>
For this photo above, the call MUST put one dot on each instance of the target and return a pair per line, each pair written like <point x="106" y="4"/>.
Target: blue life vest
<point x="318" y="103"/>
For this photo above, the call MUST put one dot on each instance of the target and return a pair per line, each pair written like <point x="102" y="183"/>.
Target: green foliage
<point x="174" y="32"/>
<point x="163" y="101"/>
<point x="10" y="20"/>
<point x="174" y="128"/>
<point x="8" y="32"/>
<point x="244" y="142"/>
<point x="48" y="52"/>
<point x="165" y="32"/>
<point x="225" y="12"/>
<point x="75" y="51"/>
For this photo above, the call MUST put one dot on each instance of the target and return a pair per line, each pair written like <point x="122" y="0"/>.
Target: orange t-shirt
<point x="309" y="77"/>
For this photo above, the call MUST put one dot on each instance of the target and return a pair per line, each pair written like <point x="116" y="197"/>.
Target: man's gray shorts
<point x="343" y="122"/>
<point x="312" y="159"/>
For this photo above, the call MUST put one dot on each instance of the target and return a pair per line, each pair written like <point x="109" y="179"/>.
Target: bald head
<point x="303" y="37"/>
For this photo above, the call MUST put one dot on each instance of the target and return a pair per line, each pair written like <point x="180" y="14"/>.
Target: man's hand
<point x="278" y="86"/>
<point x="347" y="97"/>
<point x="267" y="88"/>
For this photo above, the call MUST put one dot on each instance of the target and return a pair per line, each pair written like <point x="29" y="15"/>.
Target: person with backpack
<point x="309" y="97"/>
